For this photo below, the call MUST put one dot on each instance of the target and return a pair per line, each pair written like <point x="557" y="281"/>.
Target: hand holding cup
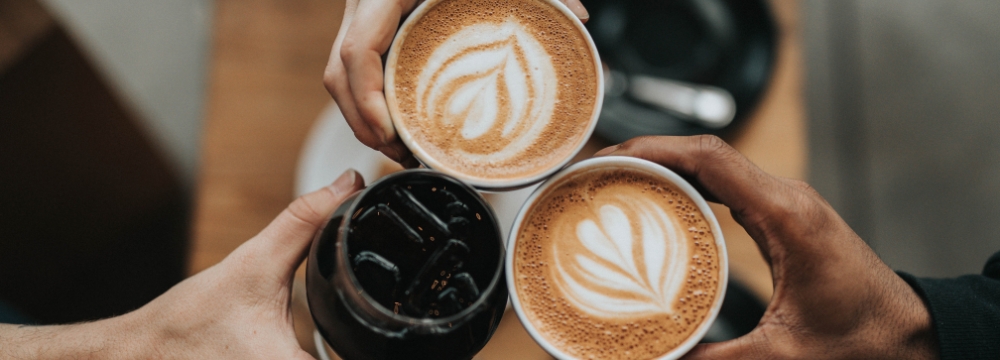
<point x="354" y="77"/>
<point x="833" y="297"/>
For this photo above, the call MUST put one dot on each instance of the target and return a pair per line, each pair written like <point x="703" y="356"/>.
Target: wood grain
<point x="265" y="92"/>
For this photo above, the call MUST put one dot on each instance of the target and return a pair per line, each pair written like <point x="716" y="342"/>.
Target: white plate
<point x="331" y="148"/>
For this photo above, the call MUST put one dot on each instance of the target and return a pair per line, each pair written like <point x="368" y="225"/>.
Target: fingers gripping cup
<point x="616" y="258"/>
<point x="498" y="93"/>
<point x="411" y="267"/>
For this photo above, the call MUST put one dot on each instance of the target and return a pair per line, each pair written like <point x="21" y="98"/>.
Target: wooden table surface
<point x="266" y="91"/>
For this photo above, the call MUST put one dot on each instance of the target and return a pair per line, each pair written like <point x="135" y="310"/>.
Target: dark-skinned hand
<point x="833" y="297"/>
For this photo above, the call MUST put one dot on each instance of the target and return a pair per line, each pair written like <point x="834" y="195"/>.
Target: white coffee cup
<point x="482" y="183"/>
<point x="619" y="162"/>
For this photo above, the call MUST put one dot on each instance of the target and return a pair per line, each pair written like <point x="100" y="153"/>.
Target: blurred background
<point x="101" y="115"/>
<point x="141" y="141"/>
<point x="904" y="126"/>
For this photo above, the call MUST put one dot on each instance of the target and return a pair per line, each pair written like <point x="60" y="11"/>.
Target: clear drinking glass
<point x="411" y="267"/>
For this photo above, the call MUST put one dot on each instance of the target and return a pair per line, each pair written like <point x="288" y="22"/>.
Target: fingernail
<point x="580" y="11"/>
<point x="411" y="163"/>
<point x="379" y="133"/>
<point x="608" y="150"/>
<point x="345" y="182"/>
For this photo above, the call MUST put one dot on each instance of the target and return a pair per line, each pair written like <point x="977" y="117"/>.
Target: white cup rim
<point x="621" y="161"/>
<point x="480" y="182"/>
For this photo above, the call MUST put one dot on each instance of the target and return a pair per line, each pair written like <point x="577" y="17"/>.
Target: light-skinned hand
<point x="833" y="297"/>
<point x="238" y="309"/>
<point x="354" y="76"/>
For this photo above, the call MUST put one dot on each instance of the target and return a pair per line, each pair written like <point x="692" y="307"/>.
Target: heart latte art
<point x="615" y="264"/>
<point x="607" y="279"/>
<point x="493" y="89"/>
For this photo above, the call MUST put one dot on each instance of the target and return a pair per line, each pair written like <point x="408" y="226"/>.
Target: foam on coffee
<point x="615" y="264"/>
<point x="495" y="89"/>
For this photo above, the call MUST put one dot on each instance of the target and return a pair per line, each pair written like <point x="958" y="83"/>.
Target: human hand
<point x="241" y="307"/>
<point x="833" y="297"/>
<point x="238" y="309"/>
<point x="354" y="76"/>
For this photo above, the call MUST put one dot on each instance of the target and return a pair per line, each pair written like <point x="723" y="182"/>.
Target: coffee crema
<point x="495" y="89"/>
<point x="615" y="264"/>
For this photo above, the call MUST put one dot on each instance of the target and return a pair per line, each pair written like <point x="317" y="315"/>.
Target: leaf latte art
<point x="626" y="270"/>
<point x="493" y="91"/>
<point x="491" y="81"/>
<point x="615" y="263"/>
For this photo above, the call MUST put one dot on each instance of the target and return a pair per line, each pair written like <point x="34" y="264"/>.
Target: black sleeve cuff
<point x="992" y="268"/>
<point x="965" y="311"/>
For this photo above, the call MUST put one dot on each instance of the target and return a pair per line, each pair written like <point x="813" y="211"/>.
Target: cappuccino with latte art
<point x="500" y="93"/>
<point x="616" y="258"/>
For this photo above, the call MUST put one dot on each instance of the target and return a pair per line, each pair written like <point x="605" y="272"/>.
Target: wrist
<point x="104" y="339"/>
<point x="922" y="337"/>
<point x="121" y="337"/>
<point x="916" y="337"/>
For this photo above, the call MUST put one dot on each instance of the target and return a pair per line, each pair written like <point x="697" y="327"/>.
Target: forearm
<point x="115" y="338"/>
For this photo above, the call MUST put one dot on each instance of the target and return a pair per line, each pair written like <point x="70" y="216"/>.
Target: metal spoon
<point x="708" y="106"/>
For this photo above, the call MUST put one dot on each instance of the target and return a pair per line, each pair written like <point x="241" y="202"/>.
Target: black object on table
<point x="728" y="44"/>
